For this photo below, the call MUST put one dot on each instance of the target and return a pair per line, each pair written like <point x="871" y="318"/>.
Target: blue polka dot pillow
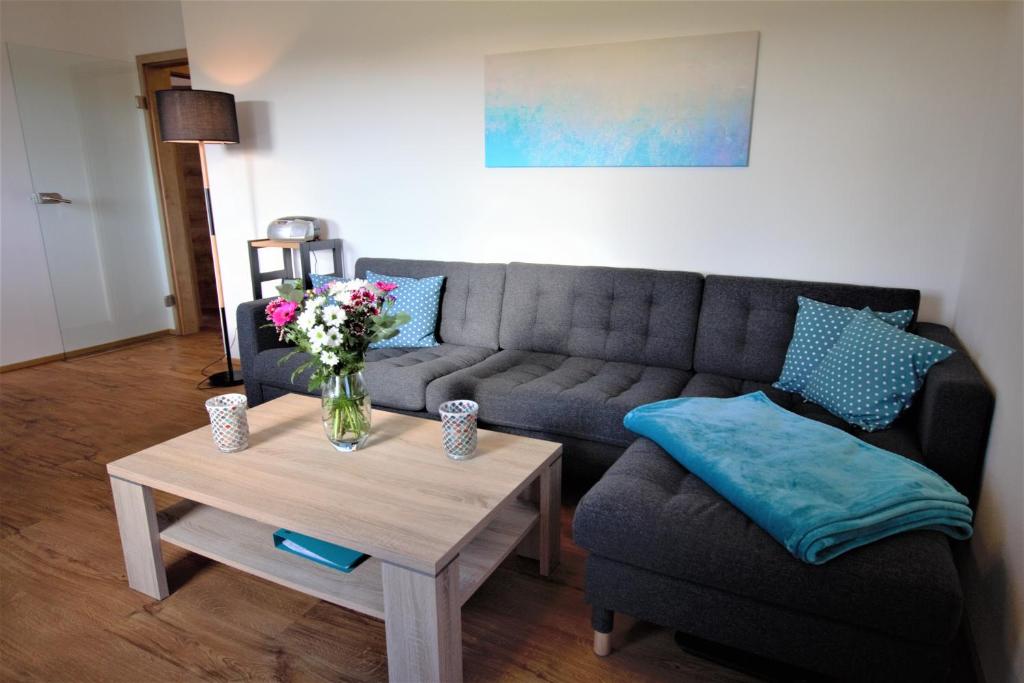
<point x="818" y="326"/>
<point x="421" y="299"/>
<point x="871" y="374"/>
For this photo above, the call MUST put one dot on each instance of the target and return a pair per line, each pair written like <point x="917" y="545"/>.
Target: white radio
<point x="294" y="228"/>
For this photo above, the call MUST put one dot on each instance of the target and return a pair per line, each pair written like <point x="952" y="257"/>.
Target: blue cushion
<point x="319" y="280"/>
<point x="421" y="299"/>
<point x="818" y="326"/>
<point x="871" y="374"/>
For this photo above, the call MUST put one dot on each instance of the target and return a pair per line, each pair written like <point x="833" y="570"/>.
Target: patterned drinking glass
<point x="458" y="428"/>
<point x="228" y="423"/>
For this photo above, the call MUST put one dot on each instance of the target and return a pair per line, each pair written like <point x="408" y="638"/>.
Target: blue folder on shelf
<point x="321" y="552"/>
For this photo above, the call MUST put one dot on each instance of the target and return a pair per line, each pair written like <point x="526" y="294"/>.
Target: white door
<point x="86" y="142"/>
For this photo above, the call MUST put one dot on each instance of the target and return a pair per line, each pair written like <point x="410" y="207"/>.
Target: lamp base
<point x="223" y="379"/>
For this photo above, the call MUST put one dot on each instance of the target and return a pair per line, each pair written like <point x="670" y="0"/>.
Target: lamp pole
<point x="217" y="379"/>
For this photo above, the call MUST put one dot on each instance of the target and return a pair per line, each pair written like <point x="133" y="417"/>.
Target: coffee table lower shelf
<point x="248" y="545"/>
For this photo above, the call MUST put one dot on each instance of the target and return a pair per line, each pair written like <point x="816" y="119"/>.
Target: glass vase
<point x="346" y="411"/>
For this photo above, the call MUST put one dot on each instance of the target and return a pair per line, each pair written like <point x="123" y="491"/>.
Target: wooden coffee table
<point x="435" y="528"/>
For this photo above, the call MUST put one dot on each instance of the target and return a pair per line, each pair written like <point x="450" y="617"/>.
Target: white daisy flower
<point x="329" y="359"/>
<point x="317" y="337"/>
<point x="333" y="315"/>
<point x="306" y="319"/>
<point x="340" y="287"/>
<point x="355" y="284"/>
<point x="333" y="337"/>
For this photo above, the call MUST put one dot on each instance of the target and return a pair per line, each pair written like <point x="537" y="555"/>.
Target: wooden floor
<point x="67" y="614"/>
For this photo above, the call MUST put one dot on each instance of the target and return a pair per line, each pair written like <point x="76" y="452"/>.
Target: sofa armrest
<point x="254" y="336"/>
<point x="954" y="415"/>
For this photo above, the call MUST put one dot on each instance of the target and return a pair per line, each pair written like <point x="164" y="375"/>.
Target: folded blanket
<point x="816" y="489"/>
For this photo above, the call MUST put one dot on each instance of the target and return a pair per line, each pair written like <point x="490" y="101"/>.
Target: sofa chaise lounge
<point x="564" y="352"/>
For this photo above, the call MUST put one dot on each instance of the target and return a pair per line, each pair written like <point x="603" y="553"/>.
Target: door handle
<point x="49" y="198"/>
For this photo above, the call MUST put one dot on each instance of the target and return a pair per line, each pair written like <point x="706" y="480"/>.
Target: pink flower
<point x="386" y="286"/>
<point x="281" y="312"/>
<point x="272" y="305"/>
<point x="363" y="297"/>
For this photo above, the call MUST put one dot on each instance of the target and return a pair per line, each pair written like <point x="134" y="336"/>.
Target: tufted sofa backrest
<point x="746" y="323"/>
<point x="727" y="325"/>
<point x="613" y="314"/>
<point x="470" y="297"/>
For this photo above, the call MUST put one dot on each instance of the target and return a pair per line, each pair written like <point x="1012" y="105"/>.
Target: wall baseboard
<point x="87" y="351"/>
<point x="21" y="365"/>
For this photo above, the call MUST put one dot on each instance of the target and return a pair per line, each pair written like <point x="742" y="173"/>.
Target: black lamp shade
<point x="196" y="116"/>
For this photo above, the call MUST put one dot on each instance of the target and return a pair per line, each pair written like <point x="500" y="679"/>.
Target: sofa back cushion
<point x="746" y="323"/>
<point x="613" y="314"/>
<point x="470" y="296"/>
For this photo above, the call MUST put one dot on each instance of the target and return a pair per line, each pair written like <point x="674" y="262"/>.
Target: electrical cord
<point x="206" y="377"/>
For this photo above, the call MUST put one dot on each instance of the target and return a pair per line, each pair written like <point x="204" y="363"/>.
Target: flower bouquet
<point x="335" y="325"/>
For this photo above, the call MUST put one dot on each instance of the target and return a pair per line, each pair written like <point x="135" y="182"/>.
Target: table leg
<point x="550" y="518"/>
<point x="423" y="624"/>
<point x="140" y="537"/>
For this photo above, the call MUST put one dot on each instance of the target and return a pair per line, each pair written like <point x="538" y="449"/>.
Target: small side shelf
<point x="248" y="545"/>
<point x="287" y="272"/>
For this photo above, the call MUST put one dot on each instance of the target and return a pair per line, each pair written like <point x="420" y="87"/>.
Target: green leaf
<point x="302" y="368"/>
<point x="285" y="357"/>
<point x="291" y="291"/>
<point x="319" y="376"/>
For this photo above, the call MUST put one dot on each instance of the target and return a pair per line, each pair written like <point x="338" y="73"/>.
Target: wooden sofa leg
<point x="602" y="620"/>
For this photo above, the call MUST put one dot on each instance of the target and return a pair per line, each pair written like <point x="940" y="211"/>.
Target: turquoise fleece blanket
<point x="816" y="489"/>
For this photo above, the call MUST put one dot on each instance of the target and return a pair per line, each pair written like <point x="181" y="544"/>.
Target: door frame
<point x="167" y="168"/>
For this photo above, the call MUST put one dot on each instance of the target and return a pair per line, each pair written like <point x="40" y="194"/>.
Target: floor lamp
<point x="203" y="117"/>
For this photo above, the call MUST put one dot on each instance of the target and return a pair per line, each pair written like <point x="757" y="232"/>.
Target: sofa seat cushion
<point x="650" y="512"/>
<point x="397" y="378"/>
<point x="579" y="397"/>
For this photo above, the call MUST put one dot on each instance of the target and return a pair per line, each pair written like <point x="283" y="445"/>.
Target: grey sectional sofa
<point x="565" y="352"/>
<point x="557" y="352"/>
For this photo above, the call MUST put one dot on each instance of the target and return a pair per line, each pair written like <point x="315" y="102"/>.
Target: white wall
<point x="884" y="150"/>
<point x="989" y="316"/>
<point x="113" y="30"/>
<point x="371" y="116"/>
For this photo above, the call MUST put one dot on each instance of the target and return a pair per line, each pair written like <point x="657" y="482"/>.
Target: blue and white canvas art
<point x="670" y="102"/>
